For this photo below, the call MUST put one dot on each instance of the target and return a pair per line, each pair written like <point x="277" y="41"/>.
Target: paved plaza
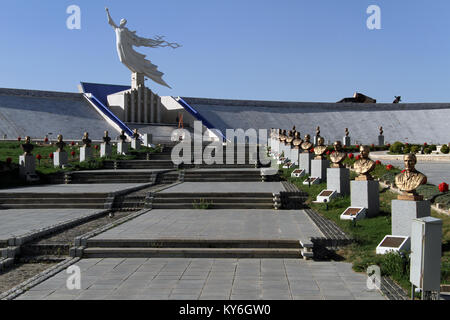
<point x="212" y="279"/>
<point x="18" y="222"/>
<point x="217" y="224"/>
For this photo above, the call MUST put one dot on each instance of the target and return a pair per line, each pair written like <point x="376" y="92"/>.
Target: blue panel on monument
<point x="102" y="91"/>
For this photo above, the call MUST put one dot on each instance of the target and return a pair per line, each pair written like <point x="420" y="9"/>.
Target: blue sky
<point x="290" y="50"/>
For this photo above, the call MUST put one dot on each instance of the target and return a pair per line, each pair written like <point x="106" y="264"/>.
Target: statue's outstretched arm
<point x="110" y="20"/>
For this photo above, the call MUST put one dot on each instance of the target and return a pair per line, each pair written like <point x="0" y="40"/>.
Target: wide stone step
<point x="215" y="200"/>
<point x="189" y="179"/>
<point x="213" y="205"/>
<point x="50" y="200"/>
<point x="192" y="253"/>
<point x="53" y="195"/>
<point x="214" y="194"/>
<point x="193" y="243"/>
<point x="53" y="206"/>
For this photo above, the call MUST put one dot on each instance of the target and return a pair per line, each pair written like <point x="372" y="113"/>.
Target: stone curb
<point x="37" y="279"/>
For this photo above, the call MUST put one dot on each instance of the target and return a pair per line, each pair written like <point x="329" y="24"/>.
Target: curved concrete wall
<point x="414" y="123"/>
<point x="36" y="113"/>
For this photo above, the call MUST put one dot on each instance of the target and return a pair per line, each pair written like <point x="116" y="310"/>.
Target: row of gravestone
<point x="411" y="214"/>
<point x="27" y="162"/>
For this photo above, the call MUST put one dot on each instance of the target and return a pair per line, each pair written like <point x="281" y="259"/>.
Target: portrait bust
<point x="364" y="165"/>
<point x="320" y="149"/>
<point x="410" y="179"/>
<point x="306" y="145"/>
<point x="337" y="156"/>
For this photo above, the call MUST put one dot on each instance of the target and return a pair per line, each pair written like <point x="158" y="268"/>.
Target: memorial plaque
<point x="311" y="180"/>
<point x="326" y="196"/>
<point x="353" y="213"/>
<point x="297" y="173"/>
<point x="326" y="193"/>
<point x="393" y="243"/>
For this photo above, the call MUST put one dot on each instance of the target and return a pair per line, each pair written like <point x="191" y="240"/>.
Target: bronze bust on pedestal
<point x="364" y="165"/>
<point x="337" y="156"/>
<point x="410" y="179"/>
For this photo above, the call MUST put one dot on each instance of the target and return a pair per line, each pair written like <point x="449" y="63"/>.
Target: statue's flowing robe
<point x="136" y="61"/>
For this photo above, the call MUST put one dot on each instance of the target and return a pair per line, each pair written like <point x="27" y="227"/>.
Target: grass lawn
<point x="368" y="233"/>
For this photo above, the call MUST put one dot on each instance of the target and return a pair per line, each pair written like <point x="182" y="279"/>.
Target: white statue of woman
<point x="135" y="61"/>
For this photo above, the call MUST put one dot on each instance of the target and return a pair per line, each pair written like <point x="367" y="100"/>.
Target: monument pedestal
<point x="85" y="154"/>
<point x="366" y="194"/>
<point x="60" y="158"/>
<point x="122" y="148"/>
<point x="147" y="138"/>
<point x="135" y="144"/>
<point x="404" y="211"/>
<point x="316" y="138"/>
<point x="319" y="169"/>
<point x="403" y="214"/>
<point x="339" y="179"/>
<point x="381" y="140"/>
<point x="105" y="150"/>
<point x="347" y="141"/>
<point x="305" y="160"/>
<point x="294" y="156"/>
<point x="27" y="165"/>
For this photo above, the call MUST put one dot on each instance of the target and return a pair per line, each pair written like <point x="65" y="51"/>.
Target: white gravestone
<point x="105" y="149"/>
<point x="319" y="169"/>
<point x="148" y="139"/>
<point x="85" y="154"/>
<point x="339" y="179"/>
<point x="305" y="160"/>
<point x="122" y="148"/>
<point x="135" y="143"/>
<point x="27" y="165"/>
<point x="366" y="194"/>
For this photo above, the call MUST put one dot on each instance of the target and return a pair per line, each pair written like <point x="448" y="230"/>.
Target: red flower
<point x="378" y="162"/>
<point x="8" y="161"/>
<point x="311" y="150"/>
<point x="425" y="144"/>
<point x="389" y="167"/>
<point x="404" y="170"/>
<point x="19" y="138"/>
<point x="406" y="144"/>
<point x="73" y="153"/>
<point x="46" y="140"/>
<point x="388" y="145"/>
<point x="50" y="155"/>
<point x="373" y="146"/>
<point x="72" y="143"/>
<point x="39" y="157"/>
<point x="358" y="157"/>
<point x="96" y="147"/>
<point x="350" y="155"/>
<point x="357" y="146"/>
<point x="443" y="187"/>
<point x="328" y="152"/>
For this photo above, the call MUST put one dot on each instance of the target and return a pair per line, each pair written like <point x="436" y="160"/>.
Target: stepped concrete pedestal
<point x="316" y="138"/>
<point x="366" y="194"/>
<point x="85" y="154"/>
<point x="305" y="160"/>
<point x="404" y="211"/>
<point x="122" y="148"/>
<point x="319" y="169"/>
<point x="381" y="140"/>
<point x="135" y="144"/>
<point x="105" y="150"/>
<point x="60" y="158"/>
<point x="347" y="141"/>
<point x="27" y="166"/>
<point x="339" y="179"/>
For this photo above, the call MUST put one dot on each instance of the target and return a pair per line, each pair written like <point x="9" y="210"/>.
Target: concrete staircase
<point x="139" y="164"/>
<point x="212" y="201"/>
<point x="52" y="200"/>
<point x="192" y="248"/>
<point x="222" y="176"/>
<point x="111" y="177"/>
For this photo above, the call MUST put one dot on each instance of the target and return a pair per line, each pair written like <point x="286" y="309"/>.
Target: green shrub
<point x="407" y="149"/>
<point x="445" y="149"/>
<point x="427" y="150"/>
<point x="415" y="149"/>
<point x="397" y="147"/>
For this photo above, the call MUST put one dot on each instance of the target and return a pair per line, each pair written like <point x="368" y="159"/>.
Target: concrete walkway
<point x="212" y="279"/>
<point x="18" y="222"/>
<point x="73" y="188"/>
